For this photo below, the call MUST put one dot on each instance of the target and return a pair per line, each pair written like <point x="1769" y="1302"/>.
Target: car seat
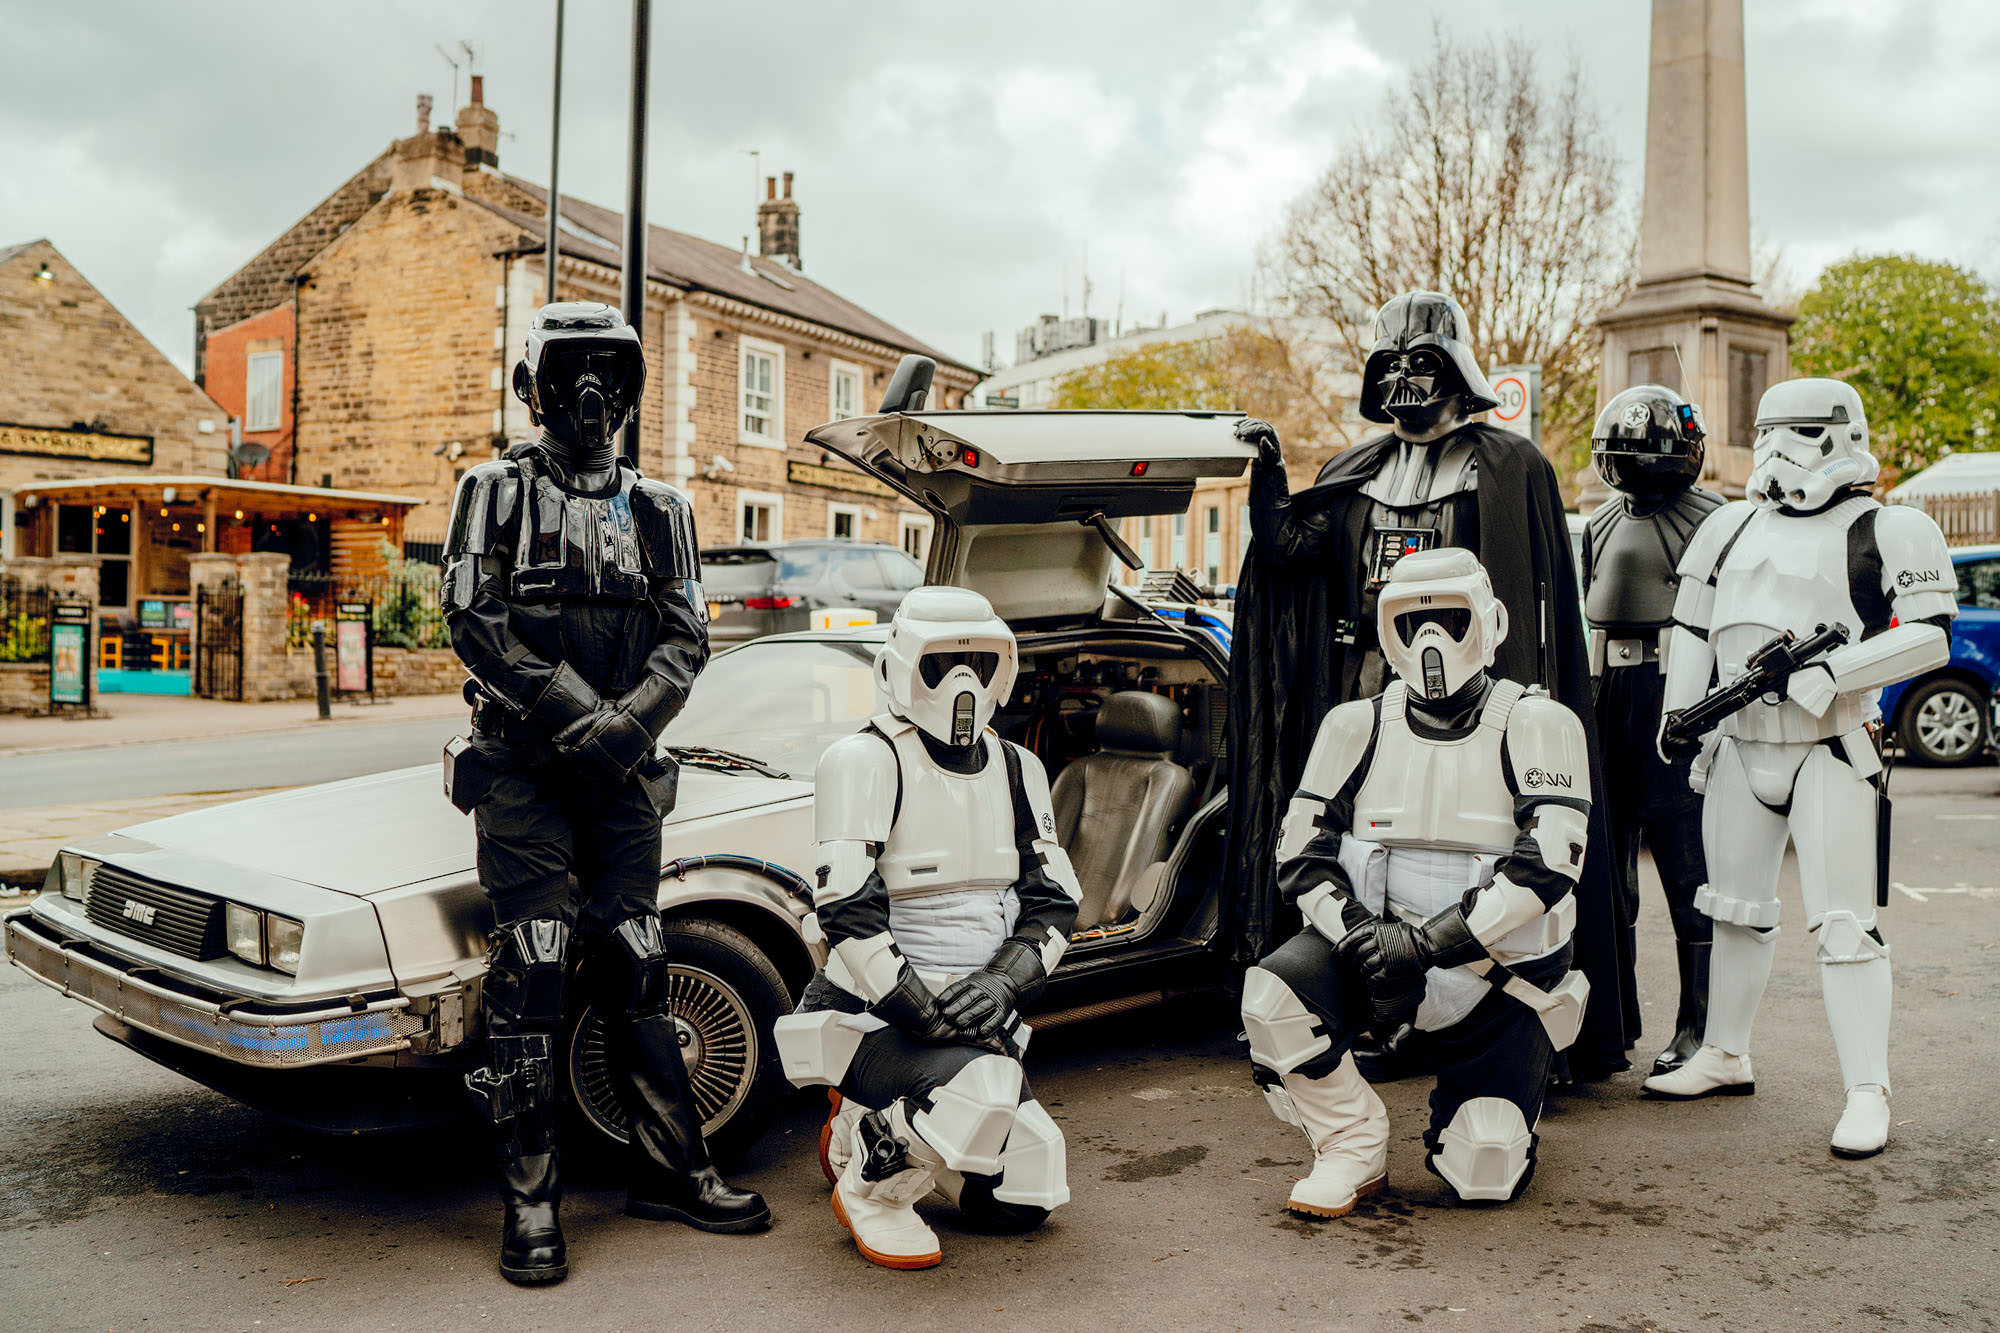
<point x="1117" y="810"/>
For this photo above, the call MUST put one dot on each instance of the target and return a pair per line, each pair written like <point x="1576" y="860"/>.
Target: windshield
<point x="781" y="702"/>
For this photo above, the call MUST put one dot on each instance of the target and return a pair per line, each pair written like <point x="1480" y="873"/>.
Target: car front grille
<point x="175" y="919"/>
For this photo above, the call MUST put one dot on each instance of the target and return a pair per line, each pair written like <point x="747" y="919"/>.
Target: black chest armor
<point x="1630" y="558"/>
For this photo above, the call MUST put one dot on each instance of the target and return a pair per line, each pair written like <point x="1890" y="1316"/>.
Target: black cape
<point x="1301" y="575"/>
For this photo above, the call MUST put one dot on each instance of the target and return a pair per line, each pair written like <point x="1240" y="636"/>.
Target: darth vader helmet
<point x="1812" y="442"/>
<point x="1421" y="367"/>
<point x="581" y="379"/>
<point x="1648" y="442"/>
<point x="1438" y="620"/>
<point x="948" y="665"/>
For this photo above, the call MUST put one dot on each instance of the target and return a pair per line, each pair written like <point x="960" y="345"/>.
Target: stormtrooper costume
<point x="1808" y="548"/>
<point x="945" y="901"/>
<point x="1433" y="848"/>
<point x="570" y="592"/>
<point x="1648" y="447"/>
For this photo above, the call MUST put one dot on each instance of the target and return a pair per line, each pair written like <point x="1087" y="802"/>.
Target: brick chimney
<point x="429" y="159"/>
<point x="778" y="224"/>
<point x="479" y="127"/>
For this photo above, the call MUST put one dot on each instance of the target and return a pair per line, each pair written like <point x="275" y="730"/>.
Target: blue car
<point x="1941" y="718"/>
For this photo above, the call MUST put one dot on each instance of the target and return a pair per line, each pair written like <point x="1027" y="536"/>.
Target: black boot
<point x="672" y="1178"/>
<point x="1692" y="1015"/>
<point x="531" y="1240"/>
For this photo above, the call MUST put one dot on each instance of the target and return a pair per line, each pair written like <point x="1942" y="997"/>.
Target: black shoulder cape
<point x="1286" y="670"/>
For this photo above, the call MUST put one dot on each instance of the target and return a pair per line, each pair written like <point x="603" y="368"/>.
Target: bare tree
<point x="1490" y="183"/>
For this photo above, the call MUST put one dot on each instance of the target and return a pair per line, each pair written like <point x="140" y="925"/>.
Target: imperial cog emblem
<point x="1637" y="414"/>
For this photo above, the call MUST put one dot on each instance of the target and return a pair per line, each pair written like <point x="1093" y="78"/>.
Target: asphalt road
<point x="130" y="1198"/>
<point x="227" y="763"/>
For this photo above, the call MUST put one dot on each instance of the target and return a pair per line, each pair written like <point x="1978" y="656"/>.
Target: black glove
<point x="609" y="742"/>
<point x="978" y="1004"/>
<point x="1390" y="957"/>
<point x="913" y="1010"/>
<point x="1263" y="435"/>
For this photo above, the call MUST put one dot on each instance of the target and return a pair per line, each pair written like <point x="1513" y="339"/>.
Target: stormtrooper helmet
<point x="1812" y="441"/>
<point x="581" y="378"/>
<point x="948" y="664"/>
<point x="1648" y="441"/>
<point x="1421" y="365"/>
<point x="1439" y="621"/>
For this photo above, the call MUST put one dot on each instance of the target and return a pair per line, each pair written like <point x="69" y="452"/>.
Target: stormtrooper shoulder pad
<point x="855" y="790"/>
<point x="1916" y="565"/>
<point x="1346" y="734"/>
<point x="1547" y="755"/>
<point x="485" y="510"/>
<point x="665" y="524"/>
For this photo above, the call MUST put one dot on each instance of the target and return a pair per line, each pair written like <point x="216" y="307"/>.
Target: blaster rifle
<point x="1766" y="672"/>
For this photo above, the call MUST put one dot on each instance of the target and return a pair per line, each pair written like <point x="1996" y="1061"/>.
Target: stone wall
<point x="24" y="687"/>
<point x="400" y="671"/>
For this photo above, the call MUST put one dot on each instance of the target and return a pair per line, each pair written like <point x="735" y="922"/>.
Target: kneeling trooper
<point x="1810" y="548"/>
<point x="945" y="901"/>
<point x="1432" y="848"/>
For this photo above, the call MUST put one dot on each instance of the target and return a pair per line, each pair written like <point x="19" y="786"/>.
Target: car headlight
<point x="74" y="875"/>
<point x="243" y="932"/>
<point x="282" y="938"/>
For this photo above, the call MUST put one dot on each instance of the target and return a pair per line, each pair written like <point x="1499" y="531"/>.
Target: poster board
<point x="69" y="653"/>
<point x="354" y="648"/>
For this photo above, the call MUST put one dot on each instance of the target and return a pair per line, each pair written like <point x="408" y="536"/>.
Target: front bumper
<point x="246" y="1032"/>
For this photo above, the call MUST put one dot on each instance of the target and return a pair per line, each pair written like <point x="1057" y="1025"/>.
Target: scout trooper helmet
<point x="581" y="378"/>
<point x="1439" y="621"/>
<point x="1421" y="366"/>
<point x="1812" y="440"/>
<point x="948" y="664"/>
<point x="1648" y="441"/>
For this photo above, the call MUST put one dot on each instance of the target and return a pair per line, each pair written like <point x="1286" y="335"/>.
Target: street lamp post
<point x="555" y="160"/>
<point x="635" y="199"/>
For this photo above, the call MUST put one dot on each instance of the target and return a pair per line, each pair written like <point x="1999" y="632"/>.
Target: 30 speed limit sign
<point x="1519" y="389"/>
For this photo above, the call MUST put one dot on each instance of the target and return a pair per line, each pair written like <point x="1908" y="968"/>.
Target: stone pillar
<point x="1693" y="321"/>
<point x="262" y="579"/>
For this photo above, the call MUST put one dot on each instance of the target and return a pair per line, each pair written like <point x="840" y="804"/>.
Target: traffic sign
<point x="1519" y="389"/>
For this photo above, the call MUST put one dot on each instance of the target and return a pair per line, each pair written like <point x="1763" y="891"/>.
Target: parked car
<point x="768" y="588"/>
<point x="1941" y="718"/>
<point x="319" y="952"/>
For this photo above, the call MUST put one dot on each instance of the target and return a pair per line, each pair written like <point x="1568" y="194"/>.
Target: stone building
<point x="409" y="291"/>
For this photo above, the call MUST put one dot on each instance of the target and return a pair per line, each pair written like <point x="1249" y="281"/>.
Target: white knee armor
<point x="969" y="1118"/>
<point x="1485" y="1150"/>
<point x="1034" y="1166"/>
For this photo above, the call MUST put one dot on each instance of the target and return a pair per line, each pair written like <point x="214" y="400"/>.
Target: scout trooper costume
<point x="1809" y="548"/>
<point x="1432" y="848"/>
<point x="945" y="901"/>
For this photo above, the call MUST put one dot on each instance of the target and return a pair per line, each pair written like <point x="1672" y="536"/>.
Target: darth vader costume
<point x="571" y="591"/>
<point x="1305" y="638"/>
<point x="1648" y="447"/>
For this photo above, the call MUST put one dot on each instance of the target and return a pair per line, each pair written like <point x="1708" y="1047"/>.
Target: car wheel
<point x="725" y="995"/>
<point x="1942" y="724"/>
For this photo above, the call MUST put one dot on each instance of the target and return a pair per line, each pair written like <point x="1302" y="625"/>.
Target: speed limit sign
<point x="1519" y="389"/>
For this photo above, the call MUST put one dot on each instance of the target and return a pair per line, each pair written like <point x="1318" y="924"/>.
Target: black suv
<point x="776" y="586"/>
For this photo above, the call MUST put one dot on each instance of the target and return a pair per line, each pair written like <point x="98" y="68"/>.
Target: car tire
<point x="1944" y="724"/>
<point x="726" y="995"/>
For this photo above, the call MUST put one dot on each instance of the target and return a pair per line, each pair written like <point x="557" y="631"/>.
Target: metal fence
<point x="1966" y="520"/>
<point x="24" y="621"/>
<point x="404" y="596"/>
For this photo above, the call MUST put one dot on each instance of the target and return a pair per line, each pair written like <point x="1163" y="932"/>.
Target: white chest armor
<point x="1786" y="573"/>
<point x="951" y="832"/>
<point x="1439" y="794"/>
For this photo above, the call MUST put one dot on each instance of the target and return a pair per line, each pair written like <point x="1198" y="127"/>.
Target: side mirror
<point x="910" y="387"/>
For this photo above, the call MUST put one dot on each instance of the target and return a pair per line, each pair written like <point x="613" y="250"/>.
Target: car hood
<point x="369" y="834"/>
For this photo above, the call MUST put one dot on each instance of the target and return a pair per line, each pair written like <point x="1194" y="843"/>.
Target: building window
<point x="913" y="534"/>
<point x="844" y="391"/>
<point x="264" y="384"/>
<point x="760" y="517"/>
<point x="763" y="392"/>
<point x="843" y="522"/>
<point x="105" y="532"/>
<point x="1211" y="544"/>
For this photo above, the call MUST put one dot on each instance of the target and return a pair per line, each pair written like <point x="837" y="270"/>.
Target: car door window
<point x="899" y="572"/>
<point x="1979" y="584"/>
<point x="862" y="570"/>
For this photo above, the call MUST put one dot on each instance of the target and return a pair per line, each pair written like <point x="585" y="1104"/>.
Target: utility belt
<point x="1628" y="650"/>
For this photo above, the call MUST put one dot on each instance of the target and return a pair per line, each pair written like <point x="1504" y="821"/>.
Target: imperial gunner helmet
<point x="948" y="665"/>
<point x="581" y="379"/>
<point x="1421" y="362"/>
<point x="1439" y="621"/>
<point x="1812" y="440"/>
<point x="1648" y="441"/>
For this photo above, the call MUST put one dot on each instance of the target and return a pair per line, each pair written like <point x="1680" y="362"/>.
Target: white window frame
<point x="1144" y="543"/>
<point x="1177" y="542"/>
<point x="834" y="511"/>
<point x="835" y="372"/>
<point x="276" y="420"/>
<point x="909" y="523"/>
<point x="775" y="503"/>
<point x="747" y="347"/>
<point x="1211" y="543"/>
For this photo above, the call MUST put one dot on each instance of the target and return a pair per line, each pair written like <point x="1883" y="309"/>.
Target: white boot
<point x="1863" y="1130"/>
<point x="880" y="1213"/>
<point x="1349" y="1130"/>
<point x="1709" y="1072"/>
<point x="836" y="1137"/>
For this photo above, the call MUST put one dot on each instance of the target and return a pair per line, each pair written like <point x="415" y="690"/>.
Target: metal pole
<point x="555" y="158"/>
<point x="635" y="198"/>
<point x="320" y="682"/>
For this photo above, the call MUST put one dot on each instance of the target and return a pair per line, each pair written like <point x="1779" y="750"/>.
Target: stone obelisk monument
<point x="1693" y="321"/>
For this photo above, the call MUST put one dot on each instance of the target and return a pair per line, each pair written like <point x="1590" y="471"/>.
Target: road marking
<point x="1924" y="895"/>
<point x="1965" y="816"/>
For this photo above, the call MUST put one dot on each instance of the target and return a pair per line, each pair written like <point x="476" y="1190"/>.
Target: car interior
<point x="1130" y="732"/>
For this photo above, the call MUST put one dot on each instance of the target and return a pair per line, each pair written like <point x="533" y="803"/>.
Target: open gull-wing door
<point x="1026" y="503"/>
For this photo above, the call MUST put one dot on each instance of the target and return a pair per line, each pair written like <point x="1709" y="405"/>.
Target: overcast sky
<point x="955" y="162"/>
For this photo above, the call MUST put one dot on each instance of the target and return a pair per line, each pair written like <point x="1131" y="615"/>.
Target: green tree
<point x="1162" y="376"/>
<point x="1920" y="341"/>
